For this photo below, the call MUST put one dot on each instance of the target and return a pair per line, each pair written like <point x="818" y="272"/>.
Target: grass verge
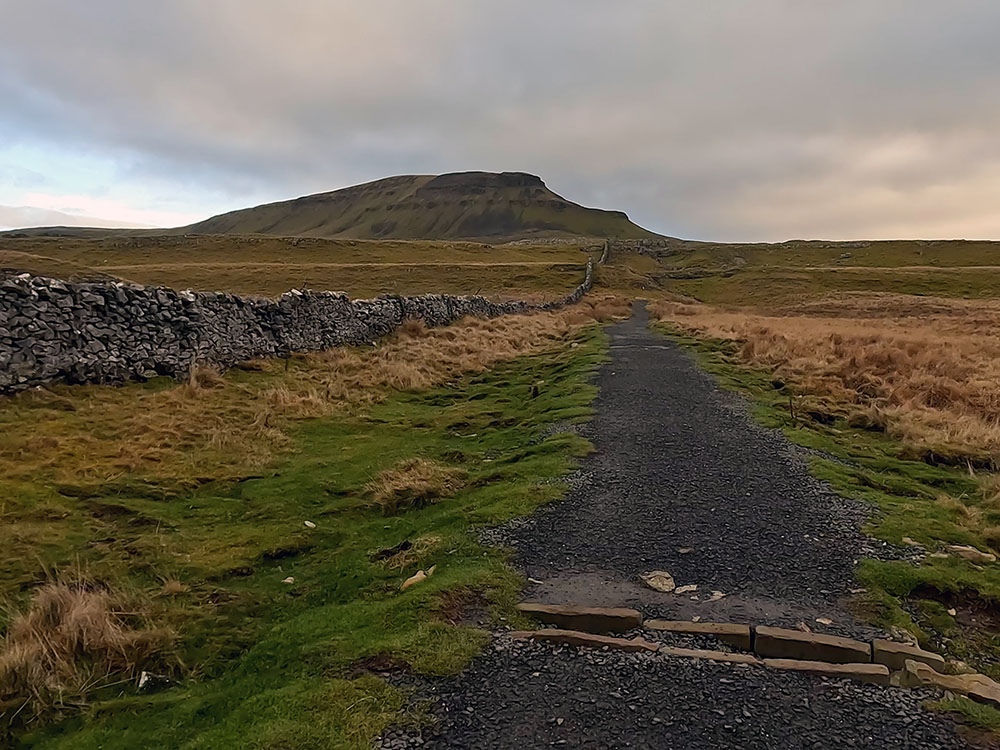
<point x="925" y="370"/>
<point x="284" y="587"/>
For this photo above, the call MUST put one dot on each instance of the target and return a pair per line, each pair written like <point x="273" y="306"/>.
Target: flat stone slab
<point x="876" y="674"/>
<point x="721" y="656"/>
<point x="577" y="617"/>
<point x="586" y="640"/>
<point x="978" y="687"/>
<point x="731" y="633"/>
<point x="894" y="655"/>
<point x="779" y="643"/>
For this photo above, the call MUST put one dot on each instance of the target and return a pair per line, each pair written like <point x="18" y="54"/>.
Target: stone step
<point x="731" y="633"/>
<point x="876" y="674"/>
<point x="720" y="656"/>
<point x="978" y="687"/>
<point x="579" y="617"/>
<point x="779" y="643"/>
<point x="894" y="655"/>
<point x="587" y="640"/>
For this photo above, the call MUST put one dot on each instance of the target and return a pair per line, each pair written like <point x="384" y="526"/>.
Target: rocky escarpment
<point x="103" y="332"/>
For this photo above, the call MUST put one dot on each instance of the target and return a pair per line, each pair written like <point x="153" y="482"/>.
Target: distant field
<point x="751" y="274"/>
<point x="886" y="253"/>
<point x="765" y="275"/>
<point x="769" y="286"/>
<point x="270" y="266"/>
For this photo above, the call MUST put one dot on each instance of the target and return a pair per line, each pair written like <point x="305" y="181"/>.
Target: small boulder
<point x="413" y="580"/>
<point x="971" y="554"/>
<point x="659" y="580"/>
<point x="894" y="655"/>
<point x="978" y="687"/>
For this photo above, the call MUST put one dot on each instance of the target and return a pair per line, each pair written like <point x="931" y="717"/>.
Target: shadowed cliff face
<point x="462" y="205"/>
<point x="482" y="181"/>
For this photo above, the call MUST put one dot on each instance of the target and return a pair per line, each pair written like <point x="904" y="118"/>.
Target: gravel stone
<point x="528" y="695"/>
<point x="680" y="464"/>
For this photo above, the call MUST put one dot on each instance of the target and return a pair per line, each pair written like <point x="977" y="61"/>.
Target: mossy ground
<point x="970" y="713"/>
<point x="915" y="595"/>
<point x="269" y="664"/>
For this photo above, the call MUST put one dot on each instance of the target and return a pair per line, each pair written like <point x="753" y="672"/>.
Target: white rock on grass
<point x="971" y="554"/>
<point x="413" y="580"/>
<point x="417" y="578"/>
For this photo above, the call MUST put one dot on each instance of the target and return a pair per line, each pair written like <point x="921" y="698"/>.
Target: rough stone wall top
<point x="642" y="247"/>
<point x="103" y="332"/>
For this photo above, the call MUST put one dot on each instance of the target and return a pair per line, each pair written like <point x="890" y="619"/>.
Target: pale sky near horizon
<point x="729" y="120"/>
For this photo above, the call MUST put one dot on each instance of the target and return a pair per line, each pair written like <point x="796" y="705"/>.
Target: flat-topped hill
<point x="462" y="205"/>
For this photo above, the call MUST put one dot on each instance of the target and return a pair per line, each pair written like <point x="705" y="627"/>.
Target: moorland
<point x="240" y="537"/>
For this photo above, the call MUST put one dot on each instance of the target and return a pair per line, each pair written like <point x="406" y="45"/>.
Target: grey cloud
<point x="723" y="120"/>
<point x="12" y="217"/>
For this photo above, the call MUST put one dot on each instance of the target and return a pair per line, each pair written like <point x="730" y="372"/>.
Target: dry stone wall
<point x="107" y="332"/>
<point x="652" y="247"/>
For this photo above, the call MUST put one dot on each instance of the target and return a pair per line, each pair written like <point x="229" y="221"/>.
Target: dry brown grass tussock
<point x="414" y="483"/>
<point x="217" y="426"/>
<point x="414" y="553"/>
<point x="925" y="369"/>
<point x="72" y="640"/>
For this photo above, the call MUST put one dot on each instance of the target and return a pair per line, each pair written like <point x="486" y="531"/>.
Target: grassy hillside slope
<point x="449" y="206"/>
<point x="463" y="205"/>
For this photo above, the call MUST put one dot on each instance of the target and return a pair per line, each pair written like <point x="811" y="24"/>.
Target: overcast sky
<point x="725" y="120"/>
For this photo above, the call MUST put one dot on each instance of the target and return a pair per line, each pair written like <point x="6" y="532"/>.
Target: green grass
<point x="273" y="665"/>
<point x="971" y="713"/>
<point x="776" y="286"/>
<point x="873" y="468"/>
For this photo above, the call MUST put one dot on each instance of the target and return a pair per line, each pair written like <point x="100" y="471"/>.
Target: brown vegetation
<point x="413" y="483"/>
<point x="410" y="553"/>
<point x="926" y="370"/>
<point x="270" y="266"/>
<point x="72" y="640"/>
<point x="219" y="426"/>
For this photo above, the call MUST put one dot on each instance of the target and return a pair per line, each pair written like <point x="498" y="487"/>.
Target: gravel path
<point x="683" y="481"/>
<point x="524" y="696"/>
